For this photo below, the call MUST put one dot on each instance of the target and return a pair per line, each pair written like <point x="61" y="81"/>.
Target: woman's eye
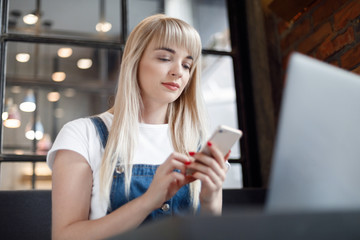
<point x="164" y="59"/>
<point x="187" y="66"/>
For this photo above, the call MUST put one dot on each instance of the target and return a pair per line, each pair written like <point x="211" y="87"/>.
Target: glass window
<point x="219" y="93"/>
<point x="220" y="98"/>
<point x="140" y="9"/>
<point x="67" y="81"/>
<point x="54" y="108"/>
<point x="233" y="178"/>
<point x="62" y="87"/>
<point x="208" y="17"/>
<point x="74" y="65"/>
<point x="91" y="19"/>
<point x="25" y="176"/>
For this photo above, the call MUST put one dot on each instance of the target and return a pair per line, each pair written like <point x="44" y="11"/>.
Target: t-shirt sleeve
<point x="73" y="136"/>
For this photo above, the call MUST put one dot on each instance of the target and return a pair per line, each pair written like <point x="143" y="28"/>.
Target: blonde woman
<point x="113" y="171"/>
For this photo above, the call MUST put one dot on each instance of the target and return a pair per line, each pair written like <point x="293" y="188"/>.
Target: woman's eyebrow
<point x="172" y="51"/>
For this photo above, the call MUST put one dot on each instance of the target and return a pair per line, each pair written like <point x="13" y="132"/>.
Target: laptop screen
<point x="316" y="161"/>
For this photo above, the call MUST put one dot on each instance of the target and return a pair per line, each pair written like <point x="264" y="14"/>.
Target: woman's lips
<point x="171" y="85"/>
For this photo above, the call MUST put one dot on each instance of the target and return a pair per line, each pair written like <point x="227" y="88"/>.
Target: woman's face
<point x="163" y="73"/>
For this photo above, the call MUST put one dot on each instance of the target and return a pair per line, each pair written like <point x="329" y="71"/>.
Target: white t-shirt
<point x="81" y="136"/>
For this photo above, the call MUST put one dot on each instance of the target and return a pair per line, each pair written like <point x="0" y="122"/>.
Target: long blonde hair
<point x="186" y="115"/>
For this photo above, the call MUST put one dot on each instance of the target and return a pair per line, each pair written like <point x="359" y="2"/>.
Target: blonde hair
<point x="186" y="115"/>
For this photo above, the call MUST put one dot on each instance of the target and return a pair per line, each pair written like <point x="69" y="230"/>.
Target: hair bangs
<point x="178" y="33"/>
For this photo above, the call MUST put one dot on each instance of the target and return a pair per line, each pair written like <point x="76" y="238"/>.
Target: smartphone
<point x="224" y="137"/>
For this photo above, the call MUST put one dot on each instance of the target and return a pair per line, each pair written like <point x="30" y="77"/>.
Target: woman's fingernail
<point x="188" y="163"/>
<point x="191" y="153"/>
<point x="209" y="143"/>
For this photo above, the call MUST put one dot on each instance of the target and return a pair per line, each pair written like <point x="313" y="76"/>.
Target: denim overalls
<point x="142" y="175"/>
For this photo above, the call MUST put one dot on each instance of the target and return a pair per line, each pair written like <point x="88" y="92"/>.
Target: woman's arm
<point x="71" y="198"/>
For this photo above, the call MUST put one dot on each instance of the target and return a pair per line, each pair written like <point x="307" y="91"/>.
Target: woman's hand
<point x="166" y="181"/>
<point x="211" y="171"/>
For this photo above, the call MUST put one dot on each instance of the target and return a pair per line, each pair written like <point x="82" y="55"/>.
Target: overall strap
<point x="101" y="129"/>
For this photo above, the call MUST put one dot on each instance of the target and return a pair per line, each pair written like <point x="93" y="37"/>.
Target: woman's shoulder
<point x="78" y="135"/>
<point x="78" y="122"/>
<point x="85" y="123"/>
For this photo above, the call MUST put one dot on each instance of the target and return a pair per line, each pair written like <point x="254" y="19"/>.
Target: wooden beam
<point x="288" y="9"/>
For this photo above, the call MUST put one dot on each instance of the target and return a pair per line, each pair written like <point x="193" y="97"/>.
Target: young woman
<point x="114" y="171"/>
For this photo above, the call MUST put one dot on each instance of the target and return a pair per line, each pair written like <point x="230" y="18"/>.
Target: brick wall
<point x="328" y="30"/>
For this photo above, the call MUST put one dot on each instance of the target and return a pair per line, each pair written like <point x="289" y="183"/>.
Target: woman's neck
<point x="154" y="115"/>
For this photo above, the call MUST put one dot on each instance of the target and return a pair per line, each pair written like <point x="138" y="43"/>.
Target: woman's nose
<point x="176" y="70"/>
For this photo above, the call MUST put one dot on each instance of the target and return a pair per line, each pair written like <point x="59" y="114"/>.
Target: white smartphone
<point x="224" y="137"/>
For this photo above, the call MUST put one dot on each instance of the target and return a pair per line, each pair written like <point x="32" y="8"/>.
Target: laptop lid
<point x="316" y="161"/>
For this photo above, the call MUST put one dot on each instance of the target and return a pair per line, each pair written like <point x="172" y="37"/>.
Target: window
<point x="68" y="66"/>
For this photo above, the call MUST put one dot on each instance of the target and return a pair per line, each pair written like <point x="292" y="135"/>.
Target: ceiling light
<point x="28" y="105"/>
<point x="53" y="96"/>
<point x="84" y="63"/>
<point x="30" y="19"/>
<point x="22" y="57"/>
<point x="64" y="52"/>
<point x="37" y="133"/>
<point x="5" y="115"/>
<point x="103" y="27"/>
<point x="13" y="120"/>
<point x="58" y="76"/>
<point x="8" y="103"/>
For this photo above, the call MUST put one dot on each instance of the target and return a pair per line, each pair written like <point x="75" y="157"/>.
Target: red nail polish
<point x="191" y="153"/>
<point x="209" y="143"/>
<point x="188" y="163"/>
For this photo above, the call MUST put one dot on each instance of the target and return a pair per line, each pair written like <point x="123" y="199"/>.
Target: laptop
<point x="316" y="161"/>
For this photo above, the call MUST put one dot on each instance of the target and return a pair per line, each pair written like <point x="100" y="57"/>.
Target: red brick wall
<point x="328" y="30"/>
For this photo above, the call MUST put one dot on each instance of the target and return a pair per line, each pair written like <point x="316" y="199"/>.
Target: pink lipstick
<point x="171" y="85"/>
